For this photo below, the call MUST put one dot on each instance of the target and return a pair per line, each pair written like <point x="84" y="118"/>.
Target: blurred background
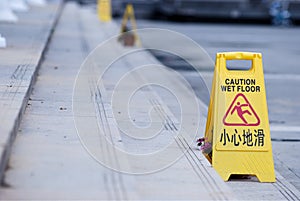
<point x="279" y="12"/>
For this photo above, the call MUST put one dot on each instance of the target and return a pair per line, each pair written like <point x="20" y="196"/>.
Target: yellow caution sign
<point x="129" y="14"/>
<point x="104" y="10"/>
<point x="237" y="127"/>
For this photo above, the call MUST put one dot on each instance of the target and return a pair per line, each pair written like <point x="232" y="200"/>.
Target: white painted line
<point x="268" y="76"/>
<point x="282" y="76"/>
<point x="285" y="128"/>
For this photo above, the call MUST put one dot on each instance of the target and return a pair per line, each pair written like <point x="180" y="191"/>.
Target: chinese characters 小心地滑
<point x="245" y="138"/>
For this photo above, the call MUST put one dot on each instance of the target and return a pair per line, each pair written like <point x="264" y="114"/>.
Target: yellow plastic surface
<point x="104" y="10"/>
<point x="129" y="14"/>
<point x="237" y="123"/>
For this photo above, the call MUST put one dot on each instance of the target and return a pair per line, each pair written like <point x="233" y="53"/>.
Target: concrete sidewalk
<point x="50" y="160"/>
<point x="26" y="43"/>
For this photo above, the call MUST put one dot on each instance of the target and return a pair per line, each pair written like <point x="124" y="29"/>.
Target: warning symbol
<point x="241" y="113"/>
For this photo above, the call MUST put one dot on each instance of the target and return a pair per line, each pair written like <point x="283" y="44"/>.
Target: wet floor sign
<point x="104" y="10"/>
<point x="126" y="32"/>
<point x="237" y="125"/>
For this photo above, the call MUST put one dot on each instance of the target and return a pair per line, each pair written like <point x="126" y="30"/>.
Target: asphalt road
<point x="280" y="48"/>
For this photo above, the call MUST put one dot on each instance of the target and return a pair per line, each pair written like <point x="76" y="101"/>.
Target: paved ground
<point x="48" y="158"/>
<point x="280" y="49"/>
<point x="26" y="42"/>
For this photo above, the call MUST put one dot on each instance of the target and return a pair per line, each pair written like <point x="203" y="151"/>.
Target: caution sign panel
<point x="129" y="15"/>
<point x="237" y="124"/>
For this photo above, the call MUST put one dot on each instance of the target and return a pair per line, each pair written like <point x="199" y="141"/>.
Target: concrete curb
<point x="15" y="94"/>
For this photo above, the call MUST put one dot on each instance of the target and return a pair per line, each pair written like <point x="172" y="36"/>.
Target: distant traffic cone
<point x="18" y="5"/>
<point x="37" y="2"/>
<point x="2" y="42"/>
<point x="6" y="14"/>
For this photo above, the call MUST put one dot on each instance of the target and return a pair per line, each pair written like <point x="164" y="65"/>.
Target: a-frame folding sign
<point x="237" y="123"/>
<point x="129" y="14"/>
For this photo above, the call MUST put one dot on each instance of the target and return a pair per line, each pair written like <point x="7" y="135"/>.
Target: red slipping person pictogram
<point x="241" y="113"/>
